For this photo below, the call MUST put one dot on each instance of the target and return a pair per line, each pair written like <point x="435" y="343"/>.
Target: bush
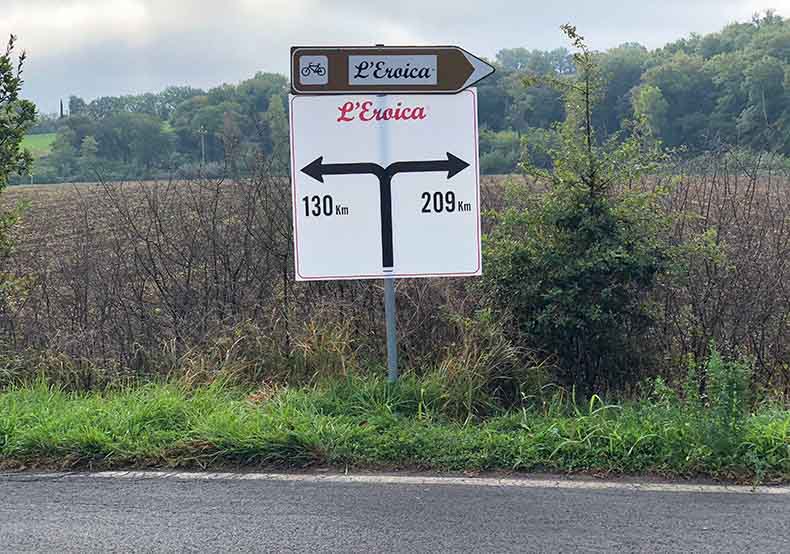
<point x="573" y="266"/>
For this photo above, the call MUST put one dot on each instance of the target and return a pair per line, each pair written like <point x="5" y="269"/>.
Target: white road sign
<point x="385" y="186"/>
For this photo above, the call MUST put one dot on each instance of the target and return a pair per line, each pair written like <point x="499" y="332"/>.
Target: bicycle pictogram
<point x="313" y="68"/>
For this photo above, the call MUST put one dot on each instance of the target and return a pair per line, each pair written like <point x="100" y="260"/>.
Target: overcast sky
<point x="109" y="47"/>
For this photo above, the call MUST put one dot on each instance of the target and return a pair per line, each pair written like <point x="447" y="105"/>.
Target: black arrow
<point x="453" y="165"/>
<point x="316" y="169"/>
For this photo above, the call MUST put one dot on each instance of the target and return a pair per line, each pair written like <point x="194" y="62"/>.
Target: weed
<point x="364" y="421"/>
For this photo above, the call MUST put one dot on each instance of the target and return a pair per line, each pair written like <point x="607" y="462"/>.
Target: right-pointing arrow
<point x="453" y="165"/>
<point x="480" y="69"/>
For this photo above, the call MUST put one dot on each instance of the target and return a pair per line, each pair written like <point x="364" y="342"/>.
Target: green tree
<point x="137" y="139"/>
<point x="765" y="83"/>
<point x="690" y="97"/>
<point x="87" y="160"/>
<point x="571" y="266"/>
<point x="493" y="102"/>
<point x="622" y="68"/>
<point x="276" y="121"/>
<point x="63" y="156"/>
<point x="151" y="143"/>
<point x="76" y="105"/>
<point x="171" y="97"/>
<point x="500" y="153"/>
<point x="16" y="116"/>
<point x="650" y="105"/>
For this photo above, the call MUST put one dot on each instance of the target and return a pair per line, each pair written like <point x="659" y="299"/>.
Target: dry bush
<point x="196" y="276"/>
<point x="733" y="288"/>
<point x="130" y="280"/>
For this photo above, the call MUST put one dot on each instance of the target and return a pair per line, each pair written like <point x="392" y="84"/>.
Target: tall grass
<point x="366" y="422"/>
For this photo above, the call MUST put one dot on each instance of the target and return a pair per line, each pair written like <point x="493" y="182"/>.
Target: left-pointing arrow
<point x="317" y="169"/>
<point x="314" y="169"/>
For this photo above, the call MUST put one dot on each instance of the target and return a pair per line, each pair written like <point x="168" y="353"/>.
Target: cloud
<point x="107" y="47"/>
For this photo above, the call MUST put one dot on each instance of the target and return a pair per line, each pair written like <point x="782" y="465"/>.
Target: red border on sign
<point x="301" y="277"/>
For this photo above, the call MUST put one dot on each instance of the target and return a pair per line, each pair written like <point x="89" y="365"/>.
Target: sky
<point x="93" y="48"/>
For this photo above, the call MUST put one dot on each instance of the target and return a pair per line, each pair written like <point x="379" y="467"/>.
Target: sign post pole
<point x="389" y="282"/>
<point x="392" y="340"/>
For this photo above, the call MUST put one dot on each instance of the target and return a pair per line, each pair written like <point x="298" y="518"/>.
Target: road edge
<point x="548" y="482"/>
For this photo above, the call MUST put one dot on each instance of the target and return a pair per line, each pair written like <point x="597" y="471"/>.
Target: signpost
<point x="385" y="69"/>
<point x="387" y="185"/>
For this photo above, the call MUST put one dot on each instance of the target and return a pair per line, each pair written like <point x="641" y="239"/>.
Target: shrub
<point x="573" y="266"/>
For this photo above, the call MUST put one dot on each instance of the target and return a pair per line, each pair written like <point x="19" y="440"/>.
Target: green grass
<point x="39" y="145"/>
<point x="367" y="423"/>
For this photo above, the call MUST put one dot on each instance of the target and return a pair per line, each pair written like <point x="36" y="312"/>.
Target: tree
<point x="690" y="98"/>
<point x="649" y="104"/>
<point x="88" y="150"/>
<point x="63" y="155"/>
<point x="276" y="121"/>
<point x="171" y="97"/>
<point x="76" y="105"/>
<point x="622" y="68"/>
<point x="493" y="102"/>
<point x="500" y="152"/>
<point x="765" y="85"/>
<point x="571" y="266"/>
<point x="151" y="144"/>
<point x="134" y="138"/>
<point x="16" y="116"/>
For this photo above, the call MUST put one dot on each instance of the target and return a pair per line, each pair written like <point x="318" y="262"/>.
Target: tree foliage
<point x="729" y="87"/>
<point x="16" y="115"/>
<point x="570" y="267"/>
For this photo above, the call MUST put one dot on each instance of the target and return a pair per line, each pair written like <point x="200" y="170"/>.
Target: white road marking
<point x="527" y="483"/>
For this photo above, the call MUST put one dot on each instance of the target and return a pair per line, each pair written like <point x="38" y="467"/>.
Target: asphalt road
<point x="215" y="513"/>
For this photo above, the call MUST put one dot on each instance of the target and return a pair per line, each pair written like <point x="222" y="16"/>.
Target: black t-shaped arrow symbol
<point x="317" y="169"/>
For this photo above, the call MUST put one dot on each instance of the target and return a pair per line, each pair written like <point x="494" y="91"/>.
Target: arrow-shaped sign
<point x="385" y="69"/>
<point x="316" y="169"/>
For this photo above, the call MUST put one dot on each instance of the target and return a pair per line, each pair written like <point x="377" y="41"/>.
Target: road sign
<point x="385" y="186"/>
<point x="384" y="69"/>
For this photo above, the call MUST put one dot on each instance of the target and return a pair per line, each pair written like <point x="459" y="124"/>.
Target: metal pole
<point x="392" y="339"/>
<point x="389" y="282"/>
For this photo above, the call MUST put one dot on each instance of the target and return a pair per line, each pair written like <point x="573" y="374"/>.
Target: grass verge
<point x="367" y="423"/>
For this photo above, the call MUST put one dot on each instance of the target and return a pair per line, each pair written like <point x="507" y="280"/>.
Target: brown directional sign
<point x="384" y="69"/>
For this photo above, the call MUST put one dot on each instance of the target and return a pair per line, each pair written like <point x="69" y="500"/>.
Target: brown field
<point x="49" y="218"/>
<point x="127" y="273"/>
